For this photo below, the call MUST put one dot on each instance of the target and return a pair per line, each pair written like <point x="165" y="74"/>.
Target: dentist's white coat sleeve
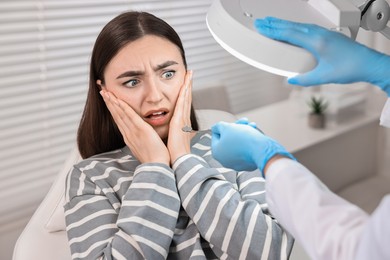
<point x="327" y="226"/>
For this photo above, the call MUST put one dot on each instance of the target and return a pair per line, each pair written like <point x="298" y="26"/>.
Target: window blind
<point x="45" y="48"/>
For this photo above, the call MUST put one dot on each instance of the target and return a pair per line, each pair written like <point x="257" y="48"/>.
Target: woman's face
<point x="147" y="74"/>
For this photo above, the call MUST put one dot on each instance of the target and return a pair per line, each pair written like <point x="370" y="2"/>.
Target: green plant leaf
<point x="318" y="105"/>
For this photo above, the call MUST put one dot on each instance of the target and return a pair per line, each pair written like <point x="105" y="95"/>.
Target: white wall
<point x="383" y="44"/>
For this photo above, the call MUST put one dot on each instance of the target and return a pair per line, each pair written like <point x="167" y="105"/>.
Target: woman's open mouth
<point x="157" y="117"/>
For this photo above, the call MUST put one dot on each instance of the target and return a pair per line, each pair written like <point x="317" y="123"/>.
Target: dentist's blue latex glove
<point x="339" y="59"/>
<point x="245" y="121"/>
<point x="241" y="147"/>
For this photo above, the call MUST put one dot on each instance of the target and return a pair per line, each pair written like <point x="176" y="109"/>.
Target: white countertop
<point x="286" y="122"/>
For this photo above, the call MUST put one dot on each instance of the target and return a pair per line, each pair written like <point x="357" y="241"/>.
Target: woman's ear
<point x="100" y="84"/>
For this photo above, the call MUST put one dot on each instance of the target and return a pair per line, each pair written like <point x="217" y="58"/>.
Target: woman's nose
<point x="154" y="94"/>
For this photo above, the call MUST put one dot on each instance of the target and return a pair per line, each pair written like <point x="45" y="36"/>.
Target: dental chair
<point x="44" y="237"/>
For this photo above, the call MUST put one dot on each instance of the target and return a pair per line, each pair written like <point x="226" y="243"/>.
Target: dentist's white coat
<point x="327" y="226"/>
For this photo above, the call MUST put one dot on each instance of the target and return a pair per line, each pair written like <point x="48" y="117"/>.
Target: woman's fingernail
<point x="113" y="99"/>
<point x="107" y="95"/>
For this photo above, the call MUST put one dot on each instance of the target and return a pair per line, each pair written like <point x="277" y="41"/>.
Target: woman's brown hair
<point x="97" y="131"/>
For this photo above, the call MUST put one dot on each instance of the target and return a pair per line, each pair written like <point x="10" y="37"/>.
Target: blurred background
<point x="45" y="48"/>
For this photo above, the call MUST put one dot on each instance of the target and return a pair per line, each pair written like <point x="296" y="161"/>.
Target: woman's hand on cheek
<point x="139" y="136"/>
<point x="178" y="140"/>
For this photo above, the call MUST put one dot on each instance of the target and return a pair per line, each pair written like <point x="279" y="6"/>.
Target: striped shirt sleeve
<point x="139" y="225"/>
<point x="234" y="219"/>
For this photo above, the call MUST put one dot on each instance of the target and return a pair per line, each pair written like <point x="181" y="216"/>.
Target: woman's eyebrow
<point x="132" y="73"/>
<point x="165" y="64"/>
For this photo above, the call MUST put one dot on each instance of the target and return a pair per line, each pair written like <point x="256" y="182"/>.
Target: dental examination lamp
<point x="231" y="24"/>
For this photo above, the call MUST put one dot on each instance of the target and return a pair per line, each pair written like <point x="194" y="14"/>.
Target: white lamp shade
<point x="231" y="24"/>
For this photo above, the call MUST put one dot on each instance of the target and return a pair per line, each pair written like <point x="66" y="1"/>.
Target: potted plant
<point x="317" y="109"/>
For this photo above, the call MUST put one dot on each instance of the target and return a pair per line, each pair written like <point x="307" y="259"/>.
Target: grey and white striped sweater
<point x="118" y="208"/>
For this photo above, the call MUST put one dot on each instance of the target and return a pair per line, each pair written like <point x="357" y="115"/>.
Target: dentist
<point x="326" y="225"/>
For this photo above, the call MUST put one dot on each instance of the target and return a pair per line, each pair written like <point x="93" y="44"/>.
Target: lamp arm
<point x="371" y="15"/>
<point x="375" y="14"/>
<point x="386" y="32"/>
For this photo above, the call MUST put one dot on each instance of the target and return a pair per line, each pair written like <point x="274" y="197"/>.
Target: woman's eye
<point x="168" y="74"/>
<point x="131" y="83"/>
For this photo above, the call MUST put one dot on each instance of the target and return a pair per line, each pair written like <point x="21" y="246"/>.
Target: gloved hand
<point x="242" y="147"/>
<point x="245" y="121"/>
<point x="339" y="58"/>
